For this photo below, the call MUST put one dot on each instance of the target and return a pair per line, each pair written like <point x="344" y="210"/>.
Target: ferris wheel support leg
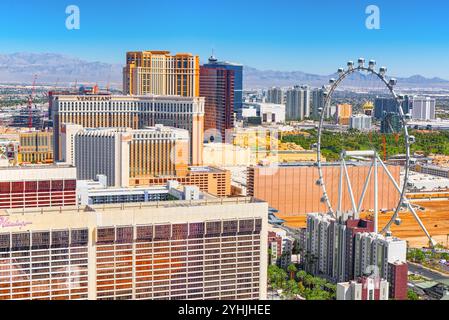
<point x="365" y="188"/>
<point x="376" y="200"/>
<point x="351" y="193"/>
<point x="409" y="206"/>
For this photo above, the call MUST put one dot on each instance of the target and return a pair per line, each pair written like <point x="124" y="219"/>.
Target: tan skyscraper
<point x="160" y="73"/>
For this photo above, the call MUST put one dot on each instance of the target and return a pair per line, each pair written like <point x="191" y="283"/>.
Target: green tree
<point x="292" y="269"/>
<point x="412" y="295"/>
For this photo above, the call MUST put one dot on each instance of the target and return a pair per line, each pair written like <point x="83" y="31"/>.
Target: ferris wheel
<point x="371" y="156"/>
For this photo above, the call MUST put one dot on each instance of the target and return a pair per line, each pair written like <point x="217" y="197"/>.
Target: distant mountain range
<point x="53" y="68"/>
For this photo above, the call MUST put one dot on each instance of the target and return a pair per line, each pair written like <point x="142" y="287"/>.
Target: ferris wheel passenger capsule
<point x="411" y="139"/>
<point x="340" y="71"/>
<point x="332" y="81"/>
<point x="350" y="65"/>
<point x="393" y="82"/>
<point x="361" y="62"/>
<point x="371" y="64"/>
<point x="398" y="221"/>
<point x="382" y="71"/>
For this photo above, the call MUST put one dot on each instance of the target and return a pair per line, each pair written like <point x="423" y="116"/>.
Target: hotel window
<point x="5" y="242"/>
<point x="125" y="235"/>
<point x="180" y="231"/>
<point x="213" y="228"/>
<point x="20" y="241"/>
<point x="105" y="235"/>
<point x="79" y="237"/>
<point x="40" y="240"/>
<point x="60" y="239"/>
<point x="230" y="227"/>
<point x="162" y="232"/>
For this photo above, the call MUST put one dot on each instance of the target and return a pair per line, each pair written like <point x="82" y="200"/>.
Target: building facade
<point x="213" y="250"/>
<point x="237" y="69"/>
<point x="125" y="155"/>
<point x="136" y="112"/>
<point x="292" y="189"/>
<point x="160" y="73"/>
<point x="217" y="87"/>
<point x="423" y="108"/>
<point x="37" y="186"/>
<point x="36" y="147"/>
<point x="297" y="103"/>
<point x="360" y="122"/>
<point x="275" y="95"/>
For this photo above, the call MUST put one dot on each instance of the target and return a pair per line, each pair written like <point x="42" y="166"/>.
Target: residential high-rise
<point x="383" y="106"/>
<point x="238" y="80"/>
<point x="423" y="108"/>
<point x="160" y="73"/>
<point x="217" y="87"/>
<point x="364" y="288"/>
<point x="136" y="112"/>
<point x="319" y="101"/>
<point x="391" y="123"/>
<point x="211" y="249"/>
<point x="275" y="95"/>
<point x="360" y="122"/>
<point x="125" y="155"/>
<point x="298" y="103"/>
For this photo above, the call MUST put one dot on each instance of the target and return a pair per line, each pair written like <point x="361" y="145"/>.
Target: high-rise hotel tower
<point x="135" y="112"/>
<point x="160" y="73"/>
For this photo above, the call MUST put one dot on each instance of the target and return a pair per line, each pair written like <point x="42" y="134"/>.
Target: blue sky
<point x="312" y="36"/>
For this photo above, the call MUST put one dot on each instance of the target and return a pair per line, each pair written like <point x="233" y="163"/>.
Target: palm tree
<point x="292" y="269"/>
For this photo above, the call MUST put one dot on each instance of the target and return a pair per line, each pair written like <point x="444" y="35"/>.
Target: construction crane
<point x="30" y="104"/>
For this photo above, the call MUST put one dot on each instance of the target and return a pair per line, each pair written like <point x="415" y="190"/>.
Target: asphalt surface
<point x="434" y="276"/>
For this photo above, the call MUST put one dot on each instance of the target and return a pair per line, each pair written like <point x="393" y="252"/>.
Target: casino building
<point x="195" y="249"/>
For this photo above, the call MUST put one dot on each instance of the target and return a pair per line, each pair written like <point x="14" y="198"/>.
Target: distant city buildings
<point x="384" y="106"/>
<point x="160" y="73"/>
<point x="298" y="103"/>
<point x="257" y="113"/>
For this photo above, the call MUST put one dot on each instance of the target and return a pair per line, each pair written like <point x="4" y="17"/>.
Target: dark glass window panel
<point x="5" y="242"/>
<point x="125" y="235"/>
<point x="230" y="227"/>
<point x="258" y="227"/>
<point x="105" y="235"/>
<point x="180" y="231"/>
<point x="31" y="186"/>
<point x="20" y="241"/>
<point x="196" y="230"/>
<point x="44" y="185"/>
<point x="40" y="240"/>
<point x="57" y="185"/>
<point x="144" y="233"/>
<point x="213" y="228"/>
<point x="162" y="232"/>
<point x="246" y="226"/>
<point x="79" y="237"/>
<point x="17" y="186"/>
<point x="60" y="239"/>
<point x="70" y="185"/>
<point x="5" y="187"/>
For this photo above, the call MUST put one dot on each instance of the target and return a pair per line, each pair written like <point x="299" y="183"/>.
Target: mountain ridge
<point x="51" y="68"/>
